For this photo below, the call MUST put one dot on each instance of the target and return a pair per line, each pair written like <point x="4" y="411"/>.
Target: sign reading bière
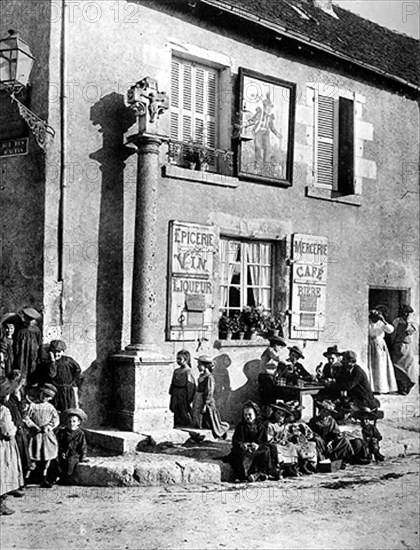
<point x="309" y="285"/>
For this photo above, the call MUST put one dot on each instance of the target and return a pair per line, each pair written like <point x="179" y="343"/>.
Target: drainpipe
<point x="63" y="151"/>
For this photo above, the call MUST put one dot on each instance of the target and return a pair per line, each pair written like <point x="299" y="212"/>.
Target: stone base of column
<point x="140" y="399"/>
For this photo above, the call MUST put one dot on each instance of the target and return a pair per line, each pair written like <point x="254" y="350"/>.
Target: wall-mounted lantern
<point x="16" y="62"/>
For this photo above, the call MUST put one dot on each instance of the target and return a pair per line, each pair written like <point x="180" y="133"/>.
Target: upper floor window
<point x="334" y="143"/>
<point x="193" y="102"/>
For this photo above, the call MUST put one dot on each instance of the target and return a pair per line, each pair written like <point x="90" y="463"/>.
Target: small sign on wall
<point x="14" y="147"/>
<point x="191" y="279"/>
<point x="309" y="286"/>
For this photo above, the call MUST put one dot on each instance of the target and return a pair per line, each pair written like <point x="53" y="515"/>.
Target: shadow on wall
<point x="114" y="119"/>
<point x="230" y="402"/>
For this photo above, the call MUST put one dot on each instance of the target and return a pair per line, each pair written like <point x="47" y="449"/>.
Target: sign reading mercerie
<point x="191" y="278"/>
<point x="14" y="147"/>
<point x="309" y="284"/>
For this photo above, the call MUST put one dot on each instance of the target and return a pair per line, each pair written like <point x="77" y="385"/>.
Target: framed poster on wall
<point x="267" y="110"/>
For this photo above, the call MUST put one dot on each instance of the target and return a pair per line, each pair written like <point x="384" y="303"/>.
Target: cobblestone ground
<point x="369" y="507"/>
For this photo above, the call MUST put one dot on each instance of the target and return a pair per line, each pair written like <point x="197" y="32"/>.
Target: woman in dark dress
<point x="64" y="373"/>
<point x="18" y="407"/>
<point x="250" y="457"/>
<point x="182" y="390"/>
<point x="205" y="413"/>
<point x="27" y="343"/>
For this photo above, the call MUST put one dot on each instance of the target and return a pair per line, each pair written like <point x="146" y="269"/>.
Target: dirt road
<point x="369" y="507"/>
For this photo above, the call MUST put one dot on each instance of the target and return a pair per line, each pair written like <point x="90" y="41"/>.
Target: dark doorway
<point x="392" y="298"/>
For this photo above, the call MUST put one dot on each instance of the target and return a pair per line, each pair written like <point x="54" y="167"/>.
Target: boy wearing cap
<point x="72" y="446"/>
<point x="28" y="342"/>
<point x="64" y="373"/>
<point x="371" y="435"/>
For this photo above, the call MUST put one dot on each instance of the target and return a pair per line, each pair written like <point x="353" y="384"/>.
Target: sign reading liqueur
<point x="309" y="285"/>
<point x="191" y="285"/>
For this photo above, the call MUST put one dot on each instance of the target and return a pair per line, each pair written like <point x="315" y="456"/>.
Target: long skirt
<point x="23" y="446"/>
<point x="65" y="397"/>
<point x="245" y="463"/>
<point x="286" y="453"/>
<point x="11" y="477"/>
<point x="339" y="448"/>
<point x="198" y="403"/>
<point x="180" y="407"/>
<point x="213" y="422"/>
<point x="43" y="446"/>
<point x="406" y="370"/>
<point x="381" y="369"/>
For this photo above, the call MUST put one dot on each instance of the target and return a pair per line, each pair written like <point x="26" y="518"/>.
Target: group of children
<point x="40" y="435"/>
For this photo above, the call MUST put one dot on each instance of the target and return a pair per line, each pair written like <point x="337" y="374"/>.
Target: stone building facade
<point x="312" y="212"/>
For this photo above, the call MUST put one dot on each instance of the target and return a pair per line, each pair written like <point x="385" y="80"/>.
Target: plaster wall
<point x="106" y="52"/>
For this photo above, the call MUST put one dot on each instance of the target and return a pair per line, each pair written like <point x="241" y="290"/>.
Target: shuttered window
<point x="193" y="102"/>
<point x="334" y="143"/>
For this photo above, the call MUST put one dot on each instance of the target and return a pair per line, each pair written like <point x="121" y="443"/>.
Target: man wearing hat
<point x="270" y="364"/>
<point x="406" y="369"/>
<point x="331" y="443"/>
<point x="294" y="369"/>
<point x="62" y="371"/>
<point x="353" y="380"/>
<point x="327" y="373"/>
<point x="28" y="342"/>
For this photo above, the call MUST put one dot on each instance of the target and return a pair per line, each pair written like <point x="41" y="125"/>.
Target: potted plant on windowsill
<point x="223" y="324"/>
<point x="252" y="319"/>
<point x="273" y="324"/>
<point x="191" y="154"/>
<point x="235" y="326"/>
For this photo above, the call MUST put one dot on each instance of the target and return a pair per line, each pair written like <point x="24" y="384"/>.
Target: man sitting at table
<point x="293" y="371"/>
<point x="327" y="374"/>
<point x="353" y="380"/>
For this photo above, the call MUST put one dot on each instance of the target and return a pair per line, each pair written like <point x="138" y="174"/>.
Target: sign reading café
<point x="191" y="284"/>
<point x="309" y="285"/>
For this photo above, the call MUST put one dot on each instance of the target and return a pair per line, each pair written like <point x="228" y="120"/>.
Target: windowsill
<point x="211" y="178"/>
<point x="328" y="195"/>
<point x="258" y="343"/>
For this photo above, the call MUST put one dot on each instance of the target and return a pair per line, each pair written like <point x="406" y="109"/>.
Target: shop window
<point x="334" y="143"/>
<point x="246" y="275"/>
<point x="194" y="119"/>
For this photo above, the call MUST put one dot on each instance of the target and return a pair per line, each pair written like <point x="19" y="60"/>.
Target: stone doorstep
<point x="140" y="469"/>
<point x="122" y="442"/>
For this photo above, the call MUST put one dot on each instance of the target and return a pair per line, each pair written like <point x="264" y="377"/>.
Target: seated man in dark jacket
<point x="353" y="380"/>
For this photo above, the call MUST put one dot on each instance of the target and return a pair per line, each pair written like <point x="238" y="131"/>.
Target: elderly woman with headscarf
<point x="250" y="457"/>
<point x="64" y="372"/>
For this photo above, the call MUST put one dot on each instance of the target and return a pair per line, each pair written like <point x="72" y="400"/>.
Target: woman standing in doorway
<point x="381" y="369"/>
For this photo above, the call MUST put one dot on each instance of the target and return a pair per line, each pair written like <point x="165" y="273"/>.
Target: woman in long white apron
<point x="381" y="368"/>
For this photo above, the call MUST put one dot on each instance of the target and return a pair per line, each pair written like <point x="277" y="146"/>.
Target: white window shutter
<point x="325" y="130"/>
<point x="193" y="102"/>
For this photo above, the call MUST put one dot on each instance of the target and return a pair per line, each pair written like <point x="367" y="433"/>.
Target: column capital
<point x="146" y="142"/>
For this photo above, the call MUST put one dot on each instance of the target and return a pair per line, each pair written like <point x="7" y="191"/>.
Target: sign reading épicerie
<point x="191" y="285"/>
<point x="13" y="147"/>
<point x="309" y="285"/>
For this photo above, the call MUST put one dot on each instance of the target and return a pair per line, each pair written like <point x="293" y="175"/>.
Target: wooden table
<point x="301" y="394"/>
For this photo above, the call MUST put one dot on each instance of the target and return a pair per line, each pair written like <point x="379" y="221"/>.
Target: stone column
<point x="141" y="374"/>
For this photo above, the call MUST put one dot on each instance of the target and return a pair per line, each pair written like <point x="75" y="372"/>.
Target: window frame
<point x="244" y="287"/>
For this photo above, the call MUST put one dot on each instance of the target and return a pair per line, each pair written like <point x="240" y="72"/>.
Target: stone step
<point x="197" y="463"/>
